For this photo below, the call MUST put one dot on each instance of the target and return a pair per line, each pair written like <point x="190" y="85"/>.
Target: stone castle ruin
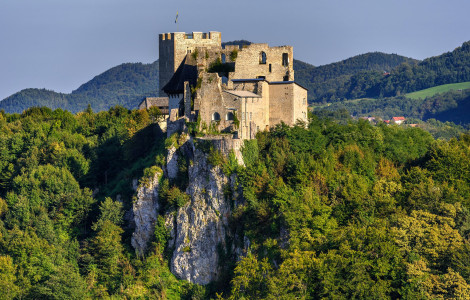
<point x="228" y="89"/>
<point x="228" y="94"/>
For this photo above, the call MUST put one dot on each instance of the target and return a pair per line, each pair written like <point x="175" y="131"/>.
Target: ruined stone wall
<point x="166" y="62"/>
<point x="251" y="86"/>
<point x="173" y="47"/>
<point x="248" y="63"/>
<point x="225" y="144"/>
<point x="174" y="100"/>
<point x="211" y="99"/>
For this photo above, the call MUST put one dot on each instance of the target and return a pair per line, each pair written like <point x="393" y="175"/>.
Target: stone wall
<point x="173" y="47"/>
<point x="225" y="144"/>
<point x="249" y="65"/>
<point x="211" y="99"/>
<point x="254" y="113"/>
<point x="287" y="103"/>
<point x="280" y="106"/>
<point x="300" y="103"/>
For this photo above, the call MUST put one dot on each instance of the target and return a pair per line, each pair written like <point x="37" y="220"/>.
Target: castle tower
<point x="173" y="47"/>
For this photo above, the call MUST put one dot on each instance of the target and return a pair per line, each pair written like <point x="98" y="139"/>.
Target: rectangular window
<point x="270" y="68"/>
<point x="285" y="59"/>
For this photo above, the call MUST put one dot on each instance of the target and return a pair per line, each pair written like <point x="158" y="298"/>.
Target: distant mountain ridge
<point x="358" y="76"/>
<point x="126" y="85"/>
<point x="324" y="80"/>
<point x="450" y="67"/>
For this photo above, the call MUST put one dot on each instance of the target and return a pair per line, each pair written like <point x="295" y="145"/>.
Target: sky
<point x="59" y="45"/>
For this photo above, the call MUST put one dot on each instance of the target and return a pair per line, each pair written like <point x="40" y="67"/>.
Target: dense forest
<point x="125" y="85"/>
<point x="334" y="208"/>
<point x="323" y="82"/>
<point x="451" y="67"/>
<point x="452" y="106"/>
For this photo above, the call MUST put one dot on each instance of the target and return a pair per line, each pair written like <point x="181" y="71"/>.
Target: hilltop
<point x="450" y="67"/>
<point x="123" y="85"/>
<point x="322" y="82"/>
<point x="372" y="75"/>
<point x="127" y="84"/>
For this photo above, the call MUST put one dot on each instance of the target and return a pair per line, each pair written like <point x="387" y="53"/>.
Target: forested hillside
<point x="129" y="83"/>
<point x="451" y="67"/>
<point x="125" y="85"/>
<point x="452" y="106"/>
<point x="334" y="209"/>
<point x="323" y="82"/>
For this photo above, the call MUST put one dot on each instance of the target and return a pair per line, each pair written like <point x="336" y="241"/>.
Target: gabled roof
<point x="156" y="101"/>
<point x="161" y="102"/>
<point x="186" y="72"/>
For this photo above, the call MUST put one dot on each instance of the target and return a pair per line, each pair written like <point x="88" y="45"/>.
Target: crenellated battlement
<point x="231" y="89"/>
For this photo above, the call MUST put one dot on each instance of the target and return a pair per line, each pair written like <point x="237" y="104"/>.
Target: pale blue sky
<point x="60" y="44"/>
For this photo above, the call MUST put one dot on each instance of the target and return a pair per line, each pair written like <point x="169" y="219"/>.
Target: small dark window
<point x="285" y="59"/>
<point x="270" y="68"/>
<point x="286" y="78"/>
<point x="223" y="58"/>
<point x="216" y="116"/>
<point x="262" y="58"/>
<point x="261" y="77"/>
<point x="229" y="116"/>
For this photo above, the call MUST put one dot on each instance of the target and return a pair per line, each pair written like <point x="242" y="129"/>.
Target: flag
<point x="176" y="20"/>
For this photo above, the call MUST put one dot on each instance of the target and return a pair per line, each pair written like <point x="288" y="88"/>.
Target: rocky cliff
<point x="201" y="226"/>
<point x="145" y="210"/>
<point x="200" y="229"/>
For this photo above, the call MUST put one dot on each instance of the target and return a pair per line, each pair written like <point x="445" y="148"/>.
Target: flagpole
<point x="176" y="21"/>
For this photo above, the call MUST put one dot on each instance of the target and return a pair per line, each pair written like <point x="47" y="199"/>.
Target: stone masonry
<point x="234" y="90"/>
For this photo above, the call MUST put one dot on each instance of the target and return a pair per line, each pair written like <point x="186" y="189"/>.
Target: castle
<point x="228" y="89"/>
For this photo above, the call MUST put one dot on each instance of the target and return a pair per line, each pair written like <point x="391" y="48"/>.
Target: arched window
<point x="229" y="116"/>
<point x="262" y="58"/>
<point x="215" y="116"/>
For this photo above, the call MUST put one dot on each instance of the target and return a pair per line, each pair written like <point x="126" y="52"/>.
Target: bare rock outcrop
<point x="145" y="209"/>
<point x="201" y="226"/>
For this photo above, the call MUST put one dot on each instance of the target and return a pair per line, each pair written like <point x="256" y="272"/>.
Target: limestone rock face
<point x="172" y="163"/>
<point x="201" y="225"/>
<point x="145" y="209"/>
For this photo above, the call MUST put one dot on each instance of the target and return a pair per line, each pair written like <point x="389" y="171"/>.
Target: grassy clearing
<point x="438" y="89"/>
